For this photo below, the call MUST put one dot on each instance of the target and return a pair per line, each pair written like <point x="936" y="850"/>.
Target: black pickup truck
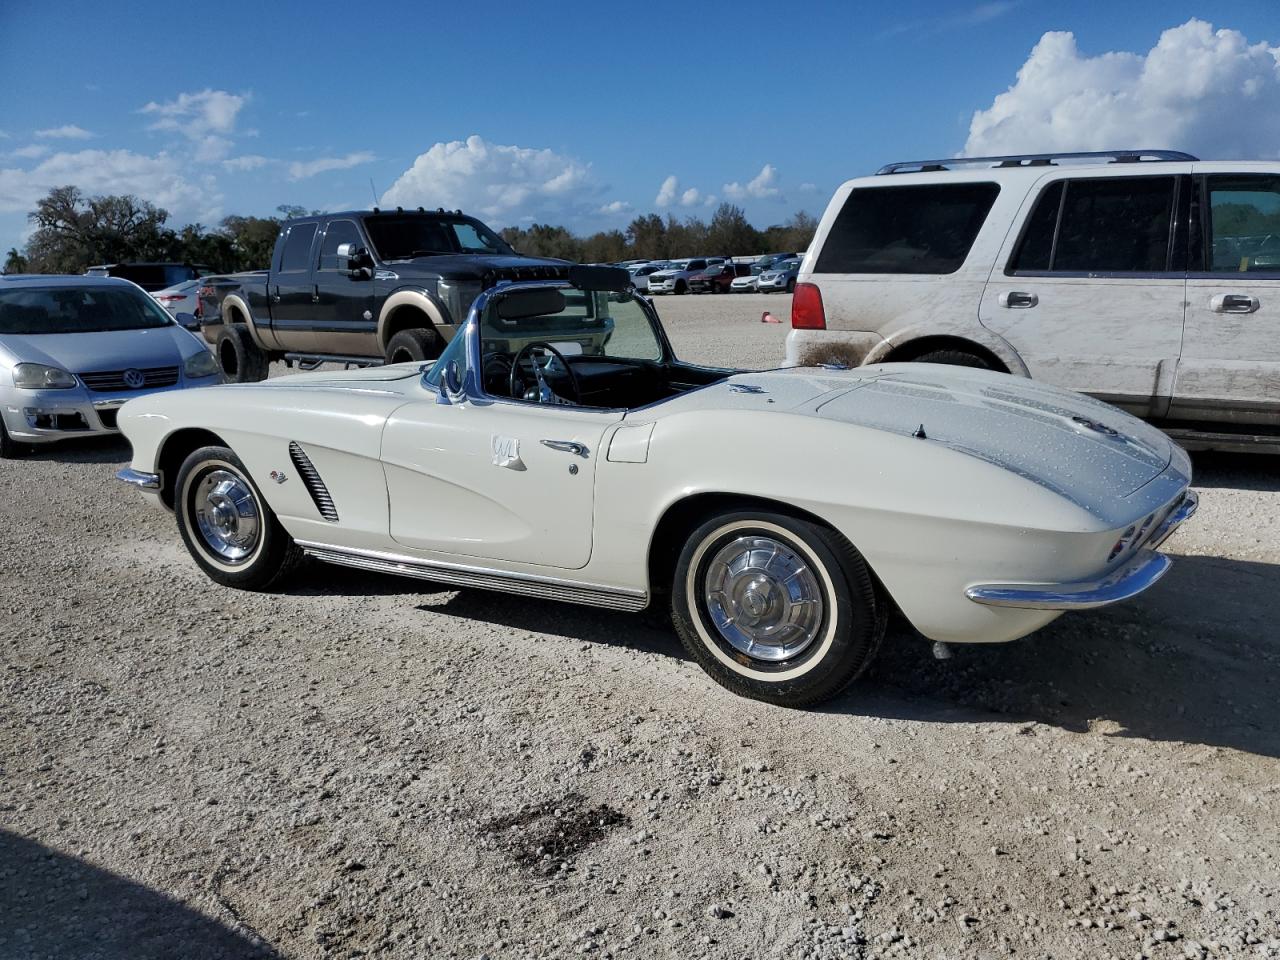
<point x="359" y="287"/>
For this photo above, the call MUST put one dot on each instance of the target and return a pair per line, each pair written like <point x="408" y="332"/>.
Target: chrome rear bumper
<point x="136" y="478"/>
<point x="1123" y="583"/>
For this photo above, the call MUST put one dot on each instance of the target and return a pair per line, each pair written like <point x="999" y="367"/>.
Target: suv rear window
<point x="927" y="228"/>
<point x="1093" y="225"/>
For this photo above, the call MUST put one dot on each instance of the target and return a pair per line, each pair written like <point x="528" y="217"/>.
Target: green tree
<point x="730" y="234"/>
<point x="647" y="236"/>
<point x="73" y="231"/>
<point x="252" y="240"/>
<point x="608" y="246"/>
<point x="14" y="262"/>
<point x="794" y="235"/>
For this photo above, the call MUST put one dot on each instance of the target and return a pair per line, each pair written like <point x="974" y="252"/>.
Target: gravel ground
<point x="366" y="766"/>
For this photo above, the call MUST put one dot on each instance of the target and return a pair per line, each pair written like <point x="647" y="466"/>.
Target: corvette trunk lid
<point x="1077" y="446"/>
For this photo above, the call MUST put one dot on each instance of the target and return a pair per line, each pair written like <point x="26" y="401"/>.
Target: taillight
<point x="171" y="298"/>
<point x="806" y="308"/>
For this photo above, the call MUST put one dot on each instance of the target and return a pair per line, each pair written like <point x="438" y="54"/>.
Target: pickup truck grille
<point x="113" y="380"/>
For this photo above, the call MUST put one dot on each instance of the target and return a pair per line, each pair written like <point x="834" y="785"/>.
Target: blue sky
<point x="578" y="112"/>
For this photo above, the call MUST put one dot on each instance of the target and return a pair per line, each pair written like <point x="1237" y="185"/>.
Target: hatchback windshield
<point x="402" y="238"/>
<point x="37" y="310"/>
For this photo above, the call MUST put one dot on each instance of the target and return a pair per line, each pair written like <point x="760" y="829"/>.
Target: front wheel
<point x="776" y="608"/>
<point x="227" y="526"/>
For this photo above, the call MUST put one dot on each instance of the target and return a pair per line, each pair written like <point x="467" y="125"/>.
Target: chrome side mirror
<point x="354" y="260"/>
<point x="452" y="389"/>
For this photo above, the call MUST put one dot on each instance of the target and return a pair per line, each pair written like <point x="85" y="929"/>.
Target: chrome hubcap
<point x="763" y="598"/>
<point x="226" y="514"/>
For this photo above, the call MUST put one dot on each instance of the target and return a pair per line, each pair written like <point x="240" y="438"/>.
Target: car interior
<point x="582" y="347"/>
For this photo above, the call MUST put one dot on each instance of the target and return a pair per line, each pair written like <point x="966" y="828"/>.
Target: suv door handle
<point x="1234" y="303"/>
<point x="315" y="294"/>
<point x="1018" y="300"/>
<point x="567" y="446"/>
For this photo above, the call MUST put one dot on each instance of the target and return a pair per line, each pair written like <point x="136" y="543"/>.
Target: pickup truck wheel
<point x="956" y="358"/>
<point x="410" y="345"/>
<point x="776" y="608"/>
<point x="241" y="360"/>
<point x="226" y="524"/>
<point x="681" y="287"/>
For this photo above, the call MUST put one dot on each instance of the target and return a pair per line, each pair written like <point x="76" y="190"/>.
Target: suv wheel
<point x="241" y="360"/>
<point x="956" y="358"/>
<point x="408" y="346"/>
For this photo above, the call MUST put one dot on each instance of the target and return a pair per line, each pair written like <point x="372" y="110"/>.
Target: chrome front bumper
<point x="1130" y="579"/>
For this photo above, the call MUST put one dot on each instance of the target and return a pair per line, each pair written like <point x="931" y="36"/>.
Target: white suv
<point x="1149" y="279"/>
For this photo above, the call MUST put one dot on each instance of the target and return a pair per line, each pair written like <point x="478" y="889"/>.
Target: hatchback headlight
<point x="200" y="365"/>
<point x="37" y="376"/>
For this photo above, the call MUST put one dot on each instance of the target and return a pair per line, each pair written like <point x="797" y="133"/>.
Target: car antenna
<point x="374" y="191"/>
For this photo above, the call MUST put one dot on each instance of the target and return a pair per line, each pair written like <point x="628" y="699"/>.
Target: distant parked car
<point x="150" y="276"/>
<point x="717" y="278"/>
<point x="640" y="274"/>
<point x="744" y="284"/>
<point x="762" y="264"/>
<point x="781" y="276"/>
<point x="74" y="349"/>
<point x="675" y="278"/>
<point x="183" y="302"/>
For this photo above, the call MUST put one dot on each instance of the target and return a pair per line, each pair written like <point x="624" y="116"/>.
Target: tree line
<point x="74" y="231"/>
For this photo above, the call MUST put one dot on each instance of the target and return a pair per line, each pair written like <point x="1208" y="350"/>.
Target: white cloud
<point x="197" y="116"/>
<point x="1210" y="92"/>
<point x="808" y="187"/>
<point x="691" y="197"/>
<point x="30" y="152"/>
<point x="762" y="186"/>
<point x="67" y="132"/>
<point x="303" y="170"/>
<point x="500" y="182"/>
<point x="156" y="178"/>
<point x="615" y="207"/>
<point x="250" y="161"/>
<point x="667" y="192"/>
<point x="4" y="134"/>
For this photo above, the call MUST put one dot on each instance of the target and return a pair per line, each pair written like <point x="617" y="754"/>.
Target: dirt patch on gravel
<point x="547" y="836"/>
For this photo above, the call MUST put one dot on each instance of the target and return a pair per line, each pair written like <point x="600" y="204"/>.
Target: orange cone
<point x="768" y="317"/>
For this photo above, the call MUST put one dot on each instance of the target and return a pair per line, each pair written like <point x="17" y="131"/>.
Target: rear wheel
<point x="227" y="526"/>
<point x="956" y="358"/>
<point x="776" y="608"/>
<point x="681" y="287"/>
<point x="791" y="285"/>
<point x="416" y="344"/>
<point x="241" y="360"/>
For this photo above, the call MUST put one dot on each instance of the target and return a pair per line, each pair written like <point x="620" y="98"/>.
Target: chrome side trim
<point x="136" y="478"/>
<point x="462" y="575"/>
<point x="1124" y="583"/>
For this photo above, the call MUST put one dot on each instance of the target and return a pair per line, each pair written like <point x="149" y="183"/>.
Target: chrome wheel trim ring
<point x="225" y="515"/>
<point x="763" y="598"/>
<point x="739" y="663"/>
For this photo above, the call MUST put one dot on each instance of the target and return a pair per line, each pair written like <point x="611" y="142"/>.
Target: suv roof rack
<point x="1036" y="160"/>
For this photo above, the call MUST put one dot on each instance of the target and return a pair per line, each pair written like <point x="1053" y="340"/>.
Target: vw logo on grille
<point x="134" y="380"/>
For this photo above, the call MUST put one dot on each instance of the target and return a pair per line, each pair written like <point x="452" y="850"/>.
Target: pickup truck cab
<point x="360" y="287"/>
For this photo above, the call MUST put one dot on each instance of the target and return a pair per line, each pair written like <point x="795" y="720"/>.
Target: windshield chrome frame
<point x="472" y="384"/>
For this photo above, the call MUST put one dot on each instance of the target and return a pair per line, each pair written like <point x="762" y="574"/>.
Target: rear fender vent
<point x="311" y="480"/>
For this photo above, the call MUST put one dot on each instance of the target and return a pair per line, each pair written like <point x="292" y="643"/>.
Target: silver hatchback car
<point x="74" y="349"/>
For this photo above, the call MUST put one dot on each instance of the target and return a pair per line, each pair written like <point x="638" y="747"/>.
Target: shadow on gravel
<point x="1194" y="660"/>
<point x="1238" y="471"/>
<point x="110" y="449"/>
<point x="54" y="905"/>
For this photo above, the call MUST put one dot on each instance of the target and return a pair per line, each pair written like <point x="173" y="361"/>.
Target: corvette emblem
<point x="1096" y="427"/>
<point x="134" y="380"/>
<point x="278" y="476"/>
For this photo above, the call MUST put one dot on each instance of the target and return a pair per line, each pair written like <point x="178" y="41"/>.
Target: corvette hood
<point x="1081" y="448"/>
<point x="1078" y="446"/>
<point x="108" y="350"/>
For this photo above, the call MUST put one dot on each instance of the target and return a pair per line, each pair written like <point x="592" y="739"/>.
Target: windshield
<point x="38" y="310"/>
<point x="402" y="238"/>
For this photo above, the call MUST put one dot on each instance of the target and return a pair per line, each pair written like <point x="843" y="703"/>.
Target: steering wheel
<point x="516" y="381"/>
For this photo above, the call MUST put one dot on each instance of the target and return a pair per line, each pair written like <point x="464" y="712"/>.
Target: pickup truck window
<point x="1244" y="223"/>
<point x="297" y="248"/>
<point x="402" y="238"/>
<point x="338" y="232"/>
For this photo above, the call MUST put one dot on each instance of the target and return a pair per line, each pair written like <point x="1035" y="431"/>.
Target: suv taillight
<point x="806" y="308"/>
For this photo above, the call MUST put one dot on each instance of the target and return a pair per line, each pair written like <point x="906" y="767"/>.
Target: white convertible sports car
<point x="558" y="449"/>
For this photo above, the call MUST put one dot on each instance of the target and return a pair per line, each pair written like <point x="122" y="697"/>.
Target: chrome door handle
<point x="567" y="446"/>
<point x="275" y="298"/>
<point x="1234" y="303"/>
<point x="1018" y="300"/>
